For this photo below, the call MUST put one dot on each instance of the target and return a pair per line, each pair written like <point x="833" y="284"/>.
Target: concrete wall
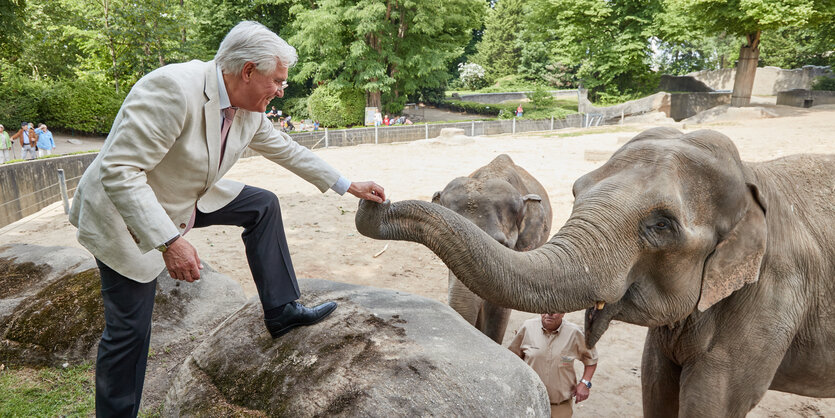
<point x="769" y="80"/>
<point x="27" y="187"/>
<point x="658" y="102"/>
<point x="674" y="83"/>
<point x="684" y="105"/>
<point x="489" y="98"/>
<point x="805" y="98"/>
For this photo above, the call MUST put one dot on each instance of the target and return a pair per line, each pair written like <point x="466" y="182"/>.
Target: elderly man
<point x="550" y="345"/>
<point x="27" y="140"/>
<point x="180" y="129"/>
<point x="5" y="146"/>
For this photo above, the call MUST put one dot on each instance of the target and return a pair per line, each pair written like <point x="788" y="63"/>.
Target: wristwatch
<point x="586" y="382"/>
<point x="164" y="247"/>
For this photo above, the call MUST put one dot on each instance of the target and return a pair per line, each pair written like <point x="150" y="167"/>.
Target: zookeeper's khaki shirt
<point x="552" y="355"/>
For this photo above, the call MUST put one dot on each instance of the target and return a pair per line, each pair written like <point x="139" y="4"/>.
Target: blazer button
<point x="182" y="226"/>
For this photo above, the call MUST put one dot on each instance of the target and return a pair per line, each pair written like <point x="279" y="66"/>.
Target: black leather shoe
<point x="295" y="314"/>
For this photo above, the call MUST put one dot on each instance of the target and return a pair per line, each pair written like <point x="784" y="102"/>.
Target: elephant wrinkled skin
<point x="731" y="265"/>
<point x="507" y="203"/>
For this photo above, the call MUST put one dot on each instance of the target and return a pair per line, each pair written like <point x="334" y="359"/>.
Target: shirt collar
<point x="221" y="90"/>
<point x="554" y="332"/>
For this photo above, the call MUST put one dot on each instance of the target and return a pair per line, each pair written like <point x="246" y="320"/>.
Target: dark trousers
<point x="128" y="305"/>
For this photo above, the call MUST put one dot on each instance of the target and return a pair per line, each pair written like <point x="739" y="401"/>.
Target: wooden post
<point x="62" y="182"/>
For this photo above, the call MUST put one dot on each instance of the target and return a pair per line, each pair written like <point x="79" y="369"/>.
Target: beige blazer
<point x="161" y="159"/>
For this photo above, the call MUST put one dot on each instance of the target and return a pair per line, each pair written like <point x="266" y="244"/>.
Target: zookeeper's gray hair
<point x="252" y="41"/>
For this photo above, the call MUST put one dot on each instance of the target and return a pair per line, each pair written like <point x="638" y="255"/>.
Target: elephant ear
<point x="436" y="198"/>
<point x="531" y="223"/>
<point x="737" y="258"/>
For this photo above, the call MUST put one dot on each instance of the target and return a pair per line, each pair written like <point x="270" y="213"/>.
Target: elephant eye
<point x="661" y="224"/>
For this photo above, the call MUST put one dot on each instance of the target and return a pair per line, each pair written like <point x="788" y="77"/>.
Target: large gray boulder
<point x="381" y="353"/>
<point x="51" y="310"/>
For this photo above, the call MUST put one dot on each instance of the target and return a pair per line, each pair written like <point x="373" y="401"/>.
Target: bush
<point x="337" y="107"/>
<point x="471" y="76"/>
<point x="297" y="108"/>
<point x="19" y="99"/>
<point x="470" y="107"/>
<point x="81" y="105"/>
<point x="541" y="97"/>
<point x="824" y="83"/>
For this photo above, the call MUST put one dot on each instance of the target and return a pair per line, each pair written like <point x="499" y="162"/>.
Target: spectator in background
<point x="45" y="141"/>
<point x="272" y="114"/>
<point x="519" y="111"/>
<point x="5" y="146"/>
<point x="550" y="346"/>
<point x="27" y="146"/>
<point x="378" y="118"/>
<point x="386" y="120"/>
<point x="316" y="125"/>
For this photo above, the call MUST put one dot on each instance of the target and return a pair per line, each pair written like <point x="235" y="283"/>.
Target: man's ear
<point x="436" y="198"/>
<point x="737" y="259"/>
<point x="247" y="70"/>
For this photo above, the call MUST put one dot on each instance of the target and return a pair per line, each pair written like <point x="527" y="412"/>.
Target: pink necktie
<point x="228" y="117"/>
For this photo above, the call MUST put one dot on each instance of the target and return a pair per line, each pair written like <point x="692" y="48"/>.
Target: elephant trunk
<point x="553" y="278"/>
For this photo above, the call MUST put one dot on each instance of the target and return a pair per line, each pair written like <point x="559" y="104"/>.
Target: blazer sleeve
<point x="283" y="150"/>
<point x="149" y="122"/>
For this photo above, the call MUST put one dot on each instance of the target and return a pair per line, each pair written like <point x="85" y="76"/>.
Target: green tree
<point x="747" y="18"/>
<point x="608" y="40"/>
<point x="500" y="51"/>
<point x="382" y="46"/>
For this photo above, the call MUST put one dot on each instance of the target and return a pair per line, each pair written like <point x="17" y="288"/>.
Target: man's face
<point x="260" y="89"/>
<point x="552" y="321"/>
<point x="44" y="128"/>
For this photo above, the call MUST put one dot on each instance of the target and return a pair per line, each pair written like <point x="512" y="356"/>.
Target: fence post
<point x="621" y="116"/>
<point x="552" y="122"/>
<point x="472" y="129"/>
<point x="375" y="134"/>
<point x="62" y="181"/>
<point x="326" y="137"/>
<point x="513" y="129"/>
<point x="427" y="130"/>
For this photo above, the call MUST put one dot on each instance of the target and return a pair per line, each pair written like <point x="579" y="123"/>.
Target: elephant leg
<point x="462" y="300"/>
<point x="494" y="321"/>
<point x="659" y="381"/>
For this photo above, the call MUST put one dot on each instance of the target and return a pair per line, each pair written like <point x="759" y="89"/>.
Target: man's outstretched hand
<point x="368" y="190"/>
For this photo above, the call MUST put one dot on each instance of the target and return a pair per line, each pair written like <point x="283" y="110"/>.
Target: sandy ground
<point x="325" y="244"/>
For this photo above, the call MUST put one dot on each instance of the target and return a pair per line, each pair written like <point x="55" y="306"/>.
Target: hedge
<point x="334" y="107"/>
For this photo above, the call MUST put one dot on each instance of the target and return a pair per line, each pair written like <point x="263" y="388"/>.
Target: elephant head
<point x="512" y="207"/>
<point x="671" y="223"/>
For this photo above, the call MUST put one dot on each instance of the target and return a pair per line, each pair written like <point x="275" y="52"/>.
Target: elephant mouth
<point x="597" y="320"/>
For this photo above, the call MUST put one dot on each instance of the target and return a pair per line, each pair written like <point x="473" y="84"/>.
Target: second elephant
<point x="511" y="206"/>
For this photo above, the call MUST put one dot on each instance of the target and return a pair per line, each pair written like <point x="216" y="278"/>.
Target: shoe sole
<point x="291" y="327"/>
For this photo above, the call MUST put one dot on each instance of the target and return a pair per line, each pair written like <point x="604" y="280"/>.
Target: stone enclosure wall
<point x="769" y="80"/>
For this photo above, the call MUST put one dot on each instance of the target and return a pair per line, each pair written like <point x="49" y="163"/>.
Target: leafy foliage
<point x="471" y="76"/>
<point x="541" y="98"/>
<point x="81" y="105"/>
<point x="499" y="51"/>
<point x="336" y="107"/>
<point x="824" y="83"/>
<point x="392" y="47"/>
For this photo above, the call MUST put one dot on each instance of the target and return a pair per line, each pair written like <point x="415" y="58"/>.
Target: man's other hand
<point x="182" y="261"/>
<point x="367" y="190"/>
<point x="581" y="393"/>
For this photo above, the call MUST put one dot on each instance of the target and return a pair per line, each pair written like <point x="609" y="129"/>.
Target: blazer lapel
<point x="211" y="112"/>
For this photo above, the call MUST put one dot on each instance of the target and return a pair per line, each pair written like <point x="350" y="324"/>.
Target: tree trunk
<point x="746" y="70"/>
<point x="373" y="99"/>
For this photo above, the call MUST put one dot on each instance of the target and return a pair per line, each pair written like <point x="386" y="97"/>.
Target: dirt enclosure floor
<point x="325" y="244"/>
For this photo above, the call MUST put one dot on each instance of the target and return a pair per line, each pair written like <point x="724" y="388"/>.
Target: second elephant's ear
<point x="436" y="198"/>
<point x="737" y="258"/>
<point x="532" y="225"/>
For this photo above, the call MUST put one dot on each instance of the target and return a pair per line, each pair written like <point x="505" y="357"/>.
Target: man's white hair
<point x="253" y="42"/>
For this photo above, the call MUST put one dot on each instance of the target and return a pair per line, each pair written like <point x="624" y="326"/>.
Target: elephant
<point x="507" y="203"/>
<point x="730" y="265"/>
